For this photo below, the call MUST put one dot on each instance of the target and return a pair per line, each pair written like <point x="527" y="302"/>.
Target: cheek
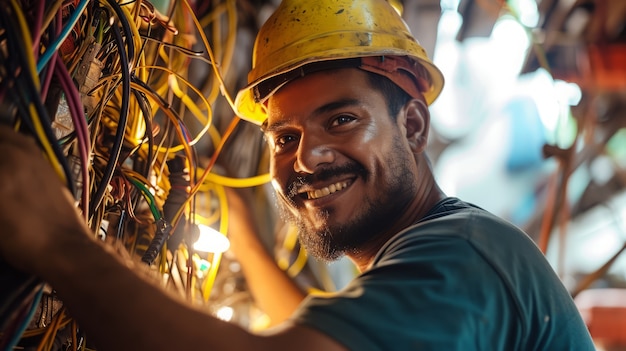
<point x="373" y="146"/>
<point x="279" y="173"/>
<point x="274" y="174"/>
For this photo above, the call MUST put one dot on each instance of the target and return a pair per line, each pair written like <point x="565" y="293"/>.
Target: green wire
<point x="150" y="199"/>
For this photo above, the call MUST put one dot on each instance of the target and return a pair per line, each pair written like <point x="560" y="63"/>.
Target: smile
<point x="316" y="194"/>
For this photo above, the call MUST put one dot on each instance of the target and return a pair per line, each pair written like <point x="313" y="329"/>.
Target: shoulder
<point x="453" y="224"/>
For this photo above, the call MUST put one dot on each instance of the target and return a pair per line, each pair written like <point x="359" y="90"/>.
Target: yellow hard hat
<point x="305" y="32"/>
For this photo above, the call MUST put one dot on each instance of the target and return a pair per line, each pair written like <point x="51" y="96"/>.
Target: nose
<point x="312" y="153"/>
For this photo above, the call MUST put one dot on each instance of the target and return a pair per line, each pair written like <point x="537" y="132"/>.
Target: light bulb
<point x="210" y="240"/>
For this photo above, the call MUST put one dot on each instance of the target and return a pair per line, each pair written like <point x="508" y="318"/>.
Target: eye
<point x="341" y="119"/>
<point x="283" y="141"/>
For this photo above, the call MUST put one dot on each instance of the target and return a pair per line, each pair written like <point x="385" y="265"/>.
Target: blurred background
<point x="131" y="100"/>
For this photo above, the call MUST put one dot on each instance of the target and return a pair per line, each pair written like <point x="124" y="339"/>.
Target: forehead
<point x="319" y="92"/>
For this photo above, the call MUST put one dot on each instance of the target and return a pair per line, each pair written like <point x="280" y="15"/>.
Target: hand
<point x="35" y="208"/>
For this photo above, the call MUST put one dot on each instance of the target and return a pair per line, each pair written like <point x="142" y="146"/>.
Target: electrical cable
<point x="123" y="118"/>
<point x="235" y="182"/>
<point x="54" y="46"/>
<point x="149" y="198"/>
<point x="81" y="129"/>
<point x="209" y="280"/>
<point x="147" y="116"/>
<point x="28" y="88"/>
<point x="37" y="27"/>
<point x="228" y="132"/>
<point x="142" y="77"/>
<point x="174" y="119"/>
<point x="53" y="9"/>
<point x="30" y="312"/>
<point x="216" y="71"/>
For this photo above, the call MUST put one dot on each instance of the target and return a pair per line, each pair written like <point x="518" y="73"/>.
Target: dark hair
<point x="395" y="96"/>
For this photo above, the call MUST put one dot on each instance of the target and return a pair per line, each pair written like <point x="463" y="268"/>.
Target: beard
<point x="377" y="212"/>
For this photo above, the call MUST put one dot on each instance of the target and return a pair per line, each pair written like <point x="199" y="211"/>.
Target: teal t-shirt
<point x="460" y="279"/>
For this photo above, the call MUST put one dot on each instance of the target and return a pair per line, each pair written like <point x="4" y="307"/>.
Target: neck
<point x="427" y="195"/>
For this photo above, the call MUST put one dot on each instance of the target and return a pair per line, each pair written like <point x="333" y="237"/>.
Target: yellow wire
<point x="32" y="67"/>
<point x="234" y="182"/>
<point x="172" y="117"/>
<point x="54" y="161"/>
<point x="136" y="37"/>
<point x="207" y="285"/>
<point x="30" y="59"/>
<point x="217" y="72"/>
<point x="209" y="220"/>
<point x="230" y="40"/>
<point x="59" y="321"/>
<point x="298" y="264"/>
<point x="289" y="243"/>
<point x="212" y="213"/>
<point x="213" y="15"/>
<point x="194" y="189"/>
<point x="52" y="11"/>
<point x="191" y="105"/>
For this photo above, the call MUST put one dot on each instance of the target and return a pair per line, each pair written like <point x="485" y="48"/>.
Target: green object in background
<point x="162" y="6"/>
<point x="616" y="147"/>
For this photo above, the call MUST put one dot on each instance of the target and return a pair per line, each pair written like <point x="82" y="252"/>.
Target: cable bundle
<point x="103" y="87"/>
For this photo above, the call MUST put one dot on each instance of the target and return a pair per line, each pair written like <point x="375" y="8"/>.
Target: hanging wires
<point x="80" y="126"/>
<point x="207" y="285"/>
<point x="54" y="46"/>
<point x="137" y="121"/>
<point x="123" y="117"/>
<point x="226" y="51"/>
<point x="216" y="70"/>
<point x="11" y="338"/>
<point x="193" y="108"/>
<point x="34" y="115"/>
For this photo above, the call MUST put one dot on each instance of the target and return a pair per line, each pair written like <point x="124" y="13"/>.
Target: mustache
<point x="299" y="181"/>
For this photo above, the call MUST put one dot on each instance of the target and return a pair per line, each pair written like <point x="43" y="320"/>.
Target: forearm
<point x="275" y="292"/>
<point x="114" y="304"/>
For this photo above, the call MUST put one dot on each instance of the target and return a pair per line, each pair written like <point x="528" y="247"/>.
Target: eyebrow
<point x="269" y="128"/>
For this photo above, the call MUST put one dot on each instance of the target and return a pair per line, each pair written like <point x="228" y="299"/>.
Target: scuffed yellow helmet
<point x="325" y="32"/>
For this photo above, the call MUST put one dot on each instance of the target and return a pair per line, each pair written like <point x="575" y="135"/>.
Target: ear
<point x="416" y="123"/>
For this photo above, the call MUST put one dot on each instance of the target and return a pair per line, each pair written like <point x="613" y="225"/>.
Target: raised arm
<point x="274" y="291"/>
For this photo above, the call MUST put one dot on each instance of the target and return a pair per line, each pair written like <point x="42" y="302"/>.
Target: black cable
<point x="147" y="116"/>
<point x="17" y="289"/>
<point x="26" y="87"/>
<point x="127" y="32"/>
<point x="116" y="149"/>
<point x="163" y="230"/>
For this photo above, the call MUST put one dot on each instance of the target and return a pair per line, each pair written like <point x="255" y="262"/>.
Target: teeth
<point x="316" y="194"/>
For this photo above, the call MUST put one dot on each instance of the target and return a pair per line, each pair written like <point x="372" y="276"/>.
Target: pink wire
<point x="48" y="78"/>
<point x="37" y="28"/>
<point x="80" y="126"/>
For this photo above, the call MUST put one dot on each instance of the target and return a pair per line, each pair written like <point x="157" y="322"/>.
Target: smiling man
<point x="346" y="170"/>
<point x="341" y="90"/>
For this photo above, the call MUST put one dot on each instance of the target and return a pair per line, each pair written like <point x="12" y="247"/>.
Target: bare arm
<point x="109" y="296"/>
<point x="274" y="291"/>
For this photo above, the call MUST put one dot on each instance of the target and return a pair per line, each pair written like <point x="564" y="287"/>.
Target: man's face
<point x="342" y="170"/>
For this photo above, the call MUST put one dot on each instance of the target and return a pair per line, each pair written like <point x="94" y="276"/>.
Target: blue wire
<point x="20" y="331"/>
<point x="47" y="55"/>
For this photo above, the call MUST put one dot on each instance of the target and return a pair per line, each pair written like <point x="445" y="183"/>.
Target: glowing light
<point x="507" y="48"/>
<point x="526" y="11"/>
<point x="211" y="240"/>
<point x="225" y="313"/>
<point x="569" y="93"/>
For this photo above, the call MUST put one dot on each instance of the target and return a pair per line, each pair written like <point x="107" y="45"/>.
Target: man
<point x="341" y="90"/>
